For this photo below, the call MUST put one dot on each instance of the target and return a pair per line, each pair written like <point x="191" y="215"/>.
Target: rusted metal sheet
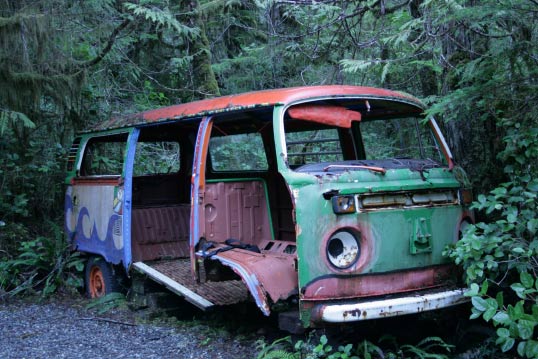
<point x="252" y="100"/>
<point x="340" y="287"/>
<point x="238" y="210"/>
<point x="326" y="114"/>
<point x="160" y="232"/>
<point x="197" y="189"/>
<point x="264" y="274"/>
<point x="218" y="293"/>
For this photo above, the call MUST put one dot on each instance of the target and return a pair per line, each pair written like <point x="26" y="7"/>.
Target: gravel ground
<point x="67" y="329"/>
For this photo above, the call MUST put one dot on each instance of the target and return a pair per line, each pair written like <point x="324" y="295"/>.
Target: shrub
<point x="500" y="257"/>
<point x="42" y="265"/>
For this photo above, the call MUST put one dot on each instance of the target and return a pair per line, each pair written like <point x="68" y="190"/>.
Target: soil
<point x="71" y="326"/>
<point x="63" y="327"/>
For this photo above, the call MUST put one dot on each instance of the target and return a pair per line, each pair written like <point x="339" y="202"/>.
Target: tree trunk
<point x="204" y="81"/>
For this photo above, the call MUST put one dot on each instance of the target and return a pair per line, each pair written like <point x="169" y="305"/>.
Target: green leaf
<point x="533" y="185"/>
<point x="489" y="313"/>
<point x="473" y="290"/>
<point x="531" y="350"/>
<point x="507" y="344"/>
<point x="526" y="279"/>
<point x="518" y="250"/>
<point x="526" y="328"/>
<point x="503" y="333"/>
<point x="475" y="313"/>
<point x="519" y="289"/>
<point x="484" y="288"/>
<point x="501" y="318"/>
<point x="479" y="303"/>
<point x="521" y="348"/>
<point x="532" y="225"/>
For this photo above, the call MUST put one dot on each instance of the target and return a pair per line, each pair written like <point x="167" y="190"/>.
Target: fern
<point x="354" y="66"/>
<point x="280" y="354"/>
<point x="423" y="349"/>
<point x="163" y="18"/>
<point x="14" y="118"/>
<point x="275" y="349"/>
<point x="108" y="302"/>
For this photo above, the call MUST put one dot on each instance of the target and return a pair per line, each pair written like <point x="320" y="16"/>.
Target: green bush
<point x="41" y="265"/>
<point x="500" y="257"/>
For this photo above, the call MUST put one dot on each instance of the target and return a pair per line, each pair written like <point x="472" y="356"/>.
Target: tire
<point x="100" y="278"/>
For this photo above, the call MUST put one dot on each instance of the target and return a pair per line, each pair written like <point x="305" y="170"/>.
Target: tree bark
<point x="204" y="81"/>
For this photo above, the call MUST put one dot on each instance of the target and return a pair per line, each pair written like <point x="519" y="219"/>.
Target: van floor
<point x="176" y="275"/>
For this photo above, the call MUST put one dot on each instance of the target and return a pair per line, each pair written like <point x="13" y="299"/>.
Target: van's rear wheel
<point x="100" y="278"/>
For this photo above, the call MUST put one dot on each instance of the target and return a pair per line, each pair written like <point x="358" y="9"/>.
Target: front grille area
<point x="410" y="199"/>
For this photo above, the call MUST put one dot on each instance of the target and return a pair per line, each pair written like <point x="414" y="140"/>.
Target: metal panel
<point x="173" y="285"/>
<point x="263" y="273"/>
<point x="236" y="210"/>
<point x="383" y="308"/>
<point x="93" y="222"/>
<point x="216" y="293"/>
<point x="257" y="99"/>
<point x="338" y="287"/>
<point x="160" y="232"/>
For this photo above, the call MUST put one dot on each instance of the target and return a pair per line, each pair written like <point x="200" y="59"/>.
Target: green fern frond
<point x="13" y="118"/>
<point x="162" y="18"/>
<point x="280" y="354"/>
<point x="354" y="66"/>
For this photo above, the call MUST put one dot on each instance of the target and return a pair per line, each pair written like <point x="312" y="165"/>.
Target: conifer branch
<point x="107" y="48"/>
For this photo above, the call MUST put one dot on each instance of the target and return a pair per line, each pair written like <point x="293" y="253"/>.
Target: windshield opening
<point x="374" y="144"/>
<point x="399" y="138"/>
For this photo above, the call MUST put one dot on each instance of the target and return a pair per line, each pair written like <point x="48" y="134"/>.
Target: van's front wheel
<point x="99" y="278"/>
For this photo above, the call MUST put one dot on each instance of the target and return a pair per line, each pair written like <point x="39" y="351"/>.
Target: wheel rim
<point x="97" y="283"/>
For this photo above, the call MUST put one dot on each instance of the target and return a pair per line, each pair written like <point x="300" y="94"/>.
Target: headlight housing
<point x="343" y="249"/>
<point x="344" y="204"/>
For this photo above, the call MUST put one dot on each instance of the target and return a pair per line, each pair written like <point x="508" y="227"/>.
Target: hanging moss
<point x="205" y="83"/>
<point x="203" y="73"/>
<point x="32" y="66"/>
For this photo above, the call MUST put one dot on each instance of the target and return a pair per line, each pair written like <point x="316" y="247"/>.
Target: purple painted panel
<point x="93" y="220"/>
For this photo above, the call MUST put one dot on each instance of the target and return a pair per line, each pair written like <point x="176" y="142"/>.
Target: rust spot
<point x="353" y="313"/>
<point x="378" y="284"/>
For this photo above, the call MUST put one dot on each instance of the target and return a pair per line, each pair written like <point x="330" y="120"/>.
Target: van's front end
<point x="377" y="198"/>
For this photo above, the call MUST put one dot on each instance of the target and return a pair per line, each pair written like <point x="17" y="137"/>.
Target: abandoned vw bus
<point x="334" y="200"/>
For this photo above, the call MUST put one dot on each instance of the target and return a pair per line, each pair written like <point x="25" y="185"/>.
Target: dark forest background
<point x="68" y="64"/>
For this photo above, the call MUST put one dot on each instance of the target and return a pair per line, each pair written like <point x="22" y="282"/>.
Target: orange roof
<point x="253" y="99"/>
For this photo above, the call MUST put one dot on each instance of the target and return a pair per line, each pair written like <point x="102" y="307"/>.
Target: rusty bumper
<point x="382" y="308"/>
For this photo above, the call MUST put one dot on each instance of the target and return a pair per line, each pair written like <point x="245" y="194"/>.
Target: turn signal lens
<point x="344" y="204"/>
<point x="466" y="196"/>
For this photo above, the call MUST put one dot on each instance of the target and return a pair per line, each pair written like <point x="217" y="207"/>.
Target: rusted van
<point x="334" y="200"/>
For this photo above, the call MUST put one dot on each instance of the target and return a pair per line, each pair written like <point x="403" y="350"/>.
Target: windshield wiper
<point x="370" y="168"/>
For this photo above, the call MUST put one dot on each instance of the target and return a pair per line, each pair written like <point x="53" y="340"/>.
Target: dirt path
<point x="67" y="329"/>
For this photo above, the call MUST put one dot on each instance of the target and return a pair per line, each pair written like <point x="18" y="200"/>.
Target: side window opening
<point x="156" y="157"/>
<point x="104" y="156"/>
<point x="238" y="153"/>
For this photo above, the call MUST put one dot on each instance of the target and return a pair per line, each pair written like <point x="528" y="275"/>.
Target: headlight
<point x="344" y="204"/>
<point x="343" y="249"/>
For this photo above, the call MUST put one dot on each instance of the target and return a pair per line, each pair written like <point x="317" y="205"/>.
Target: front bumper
<point x="383" y="308"/>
